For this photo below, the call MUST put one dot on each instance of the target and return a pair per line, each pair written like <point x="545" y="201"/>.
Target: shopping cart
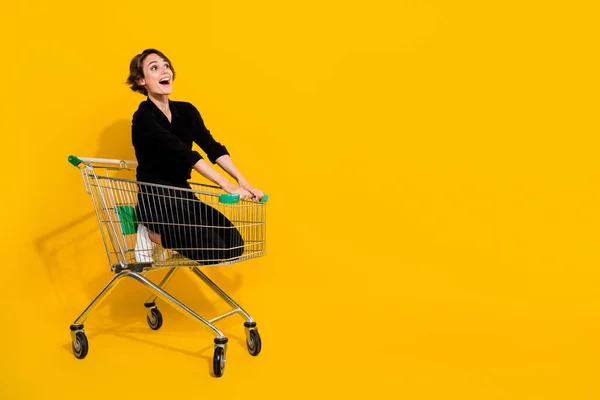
<point x="202" y="226"/>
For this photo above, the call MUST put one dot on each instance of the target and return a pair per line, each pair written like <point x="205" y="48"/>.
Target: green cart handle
<point x="229" y="198"/>
<point x="234" y="198"/>
<point x="74" y="161"/>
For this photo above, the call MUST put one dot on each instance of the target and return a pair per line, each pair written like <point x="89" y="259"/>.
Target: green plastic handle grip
<point x="74" y="160"/>
<point x="234" y="198"/>
<point x="229" y="198"/>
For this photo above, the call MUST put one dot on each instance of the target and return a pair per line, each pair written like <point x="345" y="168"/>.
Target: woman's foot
<point x="144" y="247"/>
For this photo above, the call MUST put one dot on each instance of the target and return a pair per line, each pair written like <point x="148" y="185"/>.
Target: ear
<point x="141" y="82"/>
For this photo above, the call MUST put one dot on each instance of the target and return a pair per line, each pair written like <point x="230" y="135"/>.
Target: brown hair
<point x="136" y="69"/>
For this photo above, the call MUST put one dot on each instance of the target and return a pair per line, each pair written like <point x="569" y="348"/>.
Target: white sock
<point x="143" y="246"/>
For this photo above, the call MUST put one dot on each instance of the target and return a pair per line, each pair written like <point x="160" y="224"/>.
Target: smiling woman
<point x="151" y="68"/>
<point x="163" y="132"/>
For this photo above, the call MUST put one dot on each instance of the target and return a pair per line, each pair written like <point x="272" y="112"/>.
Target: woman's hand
<point x="226" y="163"/>
<point x="245" y="189"/>
<point x="256" y="193"/>
<point x="232" y="189"/>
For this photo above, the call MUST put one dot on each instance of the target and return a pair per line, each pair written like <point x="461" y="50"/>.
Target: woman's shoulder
<point x="143" y="108"/>
<point x="147" y="109"/>
<point x="184" y="106"/>
<point x="145" y="114"/>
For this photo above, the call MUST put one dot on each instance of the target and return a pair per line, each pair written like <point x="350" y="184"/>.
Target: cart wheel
<point x="253" y="343"/>
<point x="80" y="346"/>
<point x="219" y="361"/>
<point x="156" y="321"/>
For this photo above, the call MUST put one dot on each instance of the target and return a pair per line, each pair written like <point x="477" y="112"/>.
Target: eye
<point x="153" y="68"/>
<point x="167" y="66"/>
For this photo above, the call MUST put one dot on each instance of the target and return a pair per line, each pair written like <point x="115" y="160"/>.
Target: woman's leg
<point x="201" y="233"/>
<point x="146" y="239"/>
<point x="221" y="232"/>
<point x="143" y="246"/>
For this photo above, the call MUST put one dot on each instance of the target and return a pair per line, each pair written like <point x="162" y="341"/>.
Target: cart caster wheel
<point x="219" y="361"/>
<point x="156" y="321"/>
<point x="80" y="345"/>
<point x="253" y="342"/>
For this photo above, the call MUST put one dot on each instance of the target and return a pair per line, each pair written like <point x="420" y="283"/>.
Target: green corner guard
<point x="234" y="198"/>
<point x="127" y="218"/>
<point x="74" y="161"/>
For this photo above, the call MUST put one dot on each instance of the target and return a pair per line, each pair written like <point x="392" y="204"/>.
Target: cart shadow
<point x="130" y="335"/>
<point x="49" y="246"/>
<point x="121" y="302"/>
<point x="72" y="237"/>
<point x="115" y="142"/>
<point x="205" y="353"/>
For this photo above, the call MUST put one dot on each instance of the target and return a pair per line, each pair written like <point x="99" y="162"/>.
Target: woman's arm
<point x="226" y="163"/>
<point x="207" y="171"/>
<point x="218" y="154"/>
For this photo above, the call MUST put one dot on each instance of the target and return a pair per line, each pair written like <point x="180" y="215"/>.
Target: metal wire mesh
<point x="163" y="226"/>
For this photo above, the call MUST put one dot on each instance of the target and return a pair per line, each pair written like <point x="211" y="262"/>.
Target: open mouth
<point x="165" y="81"/>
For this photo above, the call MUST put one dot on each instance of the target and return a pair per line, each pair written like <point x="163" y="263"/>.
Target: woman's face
<point x="158" y="77"/>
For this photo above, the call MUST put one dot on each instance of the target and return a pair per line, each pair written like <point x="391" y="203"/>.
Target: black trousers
<point x="188" y="226"/>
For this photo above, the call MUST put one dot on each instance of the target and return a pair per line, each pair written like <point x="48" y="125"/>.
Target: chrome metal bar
<point x="93" y="195"/>
<point x="224" y="295"/>
<point x="107" y="289"/>
<point x="155" y="289"/>
<point x="224" y="315"/>
<point x="101" y="198"/>
<point x="84" y="176"/>
<point x="117" y="238"/>
<point x="163" y="283"/>
<point x="106" y="161"/>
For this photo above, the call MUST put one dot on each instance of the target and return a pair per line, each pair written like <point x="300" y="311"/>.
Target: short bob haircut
<point x="136" y="69"/>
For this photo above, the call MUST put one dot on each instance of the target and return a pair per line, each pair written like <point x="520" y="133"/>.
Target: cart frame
<point x="111" y="197"/>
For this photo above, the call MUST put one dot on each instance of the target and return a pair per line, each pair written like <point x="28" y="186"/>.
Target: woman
<point x="162" y="134"/>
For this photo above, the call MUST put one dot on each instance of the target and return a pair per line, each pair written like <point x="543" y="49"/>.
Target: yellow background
<point x="433" y="224"/>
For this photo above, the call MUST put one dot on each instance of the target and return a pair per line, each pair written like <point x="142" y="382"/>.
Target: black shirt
<point x="164" y="149"/>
